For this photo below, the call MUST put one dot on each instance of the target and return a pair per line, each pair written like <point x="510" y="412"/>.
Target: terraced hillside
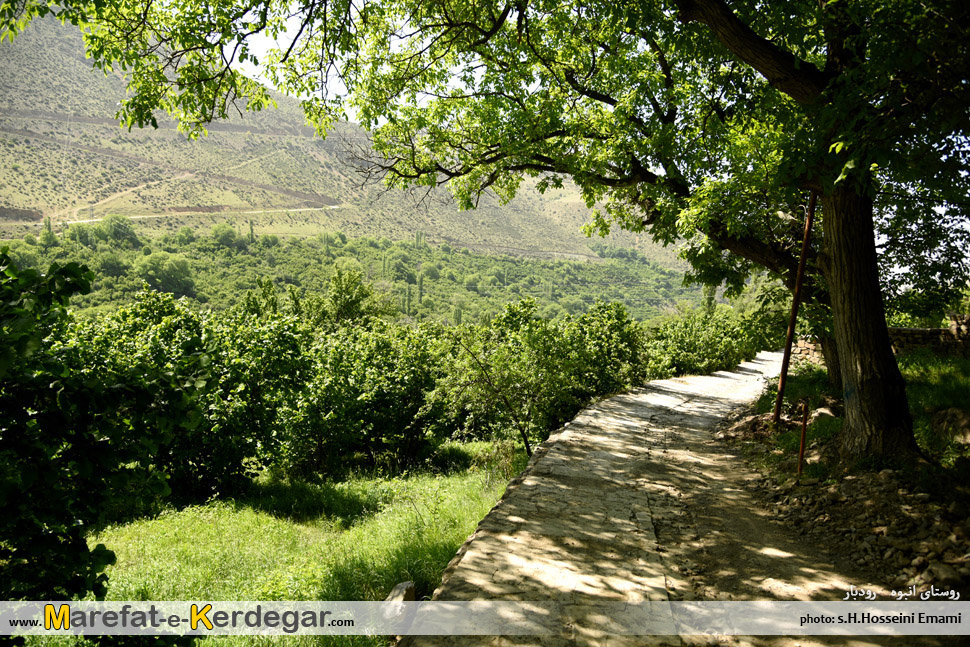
<point x="62" y="154"/>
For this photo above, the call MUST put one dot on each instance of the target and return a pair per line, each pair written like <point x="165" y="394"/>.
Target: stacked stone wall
<point x="805" y="350"/>
<point x="941" y="340"/>
<point x="954" y="340"/>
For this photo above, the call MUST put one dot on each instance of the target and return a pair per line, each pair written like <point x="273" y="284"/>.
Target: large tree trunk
<point x="833" y="368"/>
<point x="877" y="418"/>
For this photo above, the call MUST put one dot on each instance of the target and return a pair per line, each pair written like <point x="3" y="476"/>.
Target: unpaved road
<point x="635" y="501"/>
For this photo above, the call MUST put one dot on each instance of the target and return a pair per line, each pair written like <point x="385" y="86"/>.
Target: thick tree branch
<point x="755" y="250"/>
<point x="772" y="257"/>
<point x="798" y="79"/>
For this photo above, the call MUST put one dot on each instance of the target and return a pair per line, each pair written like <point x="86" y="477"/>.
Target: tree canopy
<point x="701" y="119"/>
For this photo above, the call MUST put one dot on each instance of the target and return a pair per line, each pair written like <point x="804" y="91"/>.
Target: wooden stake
<point x="786" y="359"/>
<point x="801" y="445"/>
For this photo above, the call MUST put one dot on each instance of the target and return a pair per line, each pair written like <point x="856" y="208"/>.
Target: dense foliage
<point x="222" y="382"/>
<point x="65" y="442"/>
<point x="365" y="400"/>
<point x="217" y="266"/>
<point x="711" y="340"/>
<point x="157" y="392"/>
<point x="703" y="119"/>
<point x="525" y="374"/>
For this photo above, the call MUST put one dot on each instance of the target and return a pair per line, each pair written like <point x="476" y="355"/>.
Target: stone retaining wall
<point x="805" y="350"/>
<point x="954" y="340"/>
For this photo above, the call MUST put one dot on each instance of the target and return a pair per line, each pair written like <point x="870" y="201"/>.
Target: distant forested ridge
<point x="215" y="267"/>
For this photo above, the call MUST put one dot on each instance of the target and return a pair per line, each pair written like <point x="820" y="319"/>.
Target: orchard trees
<point x="62" y="453"/>
<point x="167" y="272"/>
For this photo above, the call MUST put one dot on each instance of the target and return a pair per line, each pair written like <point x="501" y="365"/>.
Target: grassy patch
<point x="336" y="541"/>
<point x="819" y="432"/>
<point x="339" y="504"/>
<point x="805" y="382"/>
<point x="504" y="458"/>
<point x="351" y="541"/>
<point x="933" y="384"/>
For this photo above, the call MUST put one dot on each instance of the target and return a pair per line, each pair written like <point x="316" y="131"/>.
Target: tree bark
<point x="830" y="353"/>
<point x="877" y="418"/>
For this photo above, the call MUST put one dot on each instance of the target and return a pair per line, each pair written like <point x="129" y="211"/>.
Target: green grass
<point x="933" y="383"/>
<point x="353" y="541"/>
<point x="805" y="382"/>
<point x="336" y="541"/>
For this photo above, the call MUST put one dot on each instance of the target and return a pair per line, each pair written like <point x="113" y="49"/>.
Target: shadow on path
<point x="632" y="502"/>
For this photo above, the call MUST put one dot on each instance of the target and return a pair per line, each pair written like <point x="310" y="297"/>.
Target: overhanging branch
<point x="799" y="79"/>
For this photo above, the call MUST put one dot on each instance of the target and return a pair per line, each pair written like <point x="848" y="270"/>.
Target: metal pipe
<point x="786" y="359"/>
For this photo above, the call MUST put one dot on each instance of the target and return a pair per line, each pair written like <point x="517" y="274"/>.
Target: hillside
<point x="65" y="156"/>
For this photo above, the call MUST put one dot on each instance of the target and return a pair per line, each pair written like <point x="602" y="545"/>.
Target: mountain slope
<point x="65" y="156"/>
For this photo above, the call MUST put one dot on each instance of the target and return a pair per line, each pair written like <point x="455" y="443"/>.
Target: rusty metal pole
<point x="801" y="444"/>
<point x="786" y="359"/>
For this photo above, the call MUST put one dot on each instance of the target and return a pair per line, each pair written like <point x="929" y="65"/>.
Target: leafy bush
<point x="118" y="230"/>
<point x="508" y="376"/>
<point x="62" y="447"/>
<point x="367" y="396"/>
<point x="224" y="234"/>
<point x="610" y="347"/>
<point x="388" y="394"/>
<point x="166" y="272"/>
<point x="701" y="342"/>
<point x="218" y="385"/>
<point x="527" y="374"/>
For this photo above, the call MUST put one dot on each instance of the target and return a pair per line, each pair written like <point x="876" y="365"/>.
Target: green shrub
<point x="507" y="376"/>
<point x="119" y="231"/>
<point x="526" y="374"/>
<point x="701" y="342"/>
<point x="165" y="272"/>
<point x="218" y="385"/>
<point x="367" y="396"/>
<point x="609" y="347"/>
<point x="224" y="235"/>
<point x="63" y="448"/>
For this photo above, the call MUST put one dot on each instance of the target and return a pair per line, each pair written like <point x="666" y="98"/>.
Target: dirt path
<point x="74" y="211"/>
<point x="635" y="501"/>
